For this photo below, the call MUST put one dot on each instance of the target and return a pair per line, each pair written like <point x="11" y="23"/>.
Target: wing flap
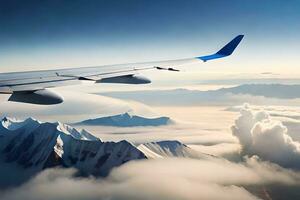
<point x="127" y="79"/>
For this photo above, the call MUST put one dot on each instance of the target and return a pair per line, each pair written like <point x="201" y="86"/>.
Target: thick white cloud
<point x="186" y="179"/>
<point x="259" y="134"/>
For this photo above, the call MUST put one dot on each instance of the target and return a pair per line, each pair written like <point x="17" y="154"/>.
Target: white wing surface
<point x="31" y="87"/>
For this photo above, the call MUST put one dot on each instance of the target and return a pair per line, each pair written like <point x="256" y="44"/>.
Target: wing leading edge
<point x="31" y="87"/>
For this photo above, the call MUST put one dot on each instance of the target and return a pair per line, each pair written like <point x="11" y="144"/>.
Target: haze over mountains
<point x="267" y="90"/>
<point x="255" y="93"/>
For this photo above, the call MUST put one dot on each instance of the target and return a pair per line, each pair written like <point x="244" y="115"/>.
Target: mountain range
<point x="29" y="146"/>
<point x="231" y="95"/>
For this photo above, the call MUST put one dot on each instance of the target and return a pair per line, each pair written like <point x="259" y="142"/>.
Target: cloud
<point x="77" y="106"/>
<point x="182" y="178"/>
<point x="159" y="179"/>
<point x="259" y="134"/>
<point x="284" y="112"/>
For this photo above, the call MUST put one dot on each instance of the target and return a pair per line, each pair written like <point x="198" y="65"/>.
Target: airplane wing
<point x="31" y="87"/>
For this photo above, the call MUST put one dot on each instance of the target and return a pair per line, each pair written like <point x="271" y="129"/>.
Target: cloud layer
<point x="159" y="179"/>
<point x="77" y="106"/>
<point x="267" y="147"/>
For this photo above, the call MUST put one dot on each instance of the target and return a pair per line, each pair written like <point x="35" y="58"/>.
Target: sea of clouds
<point x="268" y="167"/>
<point x="177" y="178"/>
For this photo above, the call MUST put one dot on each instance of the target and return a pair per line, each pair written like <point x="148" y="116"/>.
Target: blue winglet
<point x="227" y="50"/>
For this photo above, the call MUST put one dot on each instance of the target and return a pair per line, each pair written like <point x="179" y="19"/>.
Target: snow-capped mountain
<point x="126" y="120"/>
<point x="171" y="148"/>
<point x="29" y="146"/>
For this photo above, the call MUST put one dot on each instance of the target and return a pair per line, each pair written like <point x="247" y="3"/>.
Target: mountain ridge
<point x="30" y="146"/>
<point x="125" y="120"/>
<point x="170" y="148"/>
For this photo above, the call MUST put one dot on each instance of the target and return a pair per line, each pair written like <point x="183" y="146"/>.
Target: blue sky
<point x="53" y="34"/>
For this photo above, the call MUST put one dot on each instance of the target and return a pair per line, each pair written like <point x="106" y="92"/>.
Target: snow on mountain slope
<point x="126" y="120"/>
<point x="29" y="146"/>
<point x="171" y="148"/>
